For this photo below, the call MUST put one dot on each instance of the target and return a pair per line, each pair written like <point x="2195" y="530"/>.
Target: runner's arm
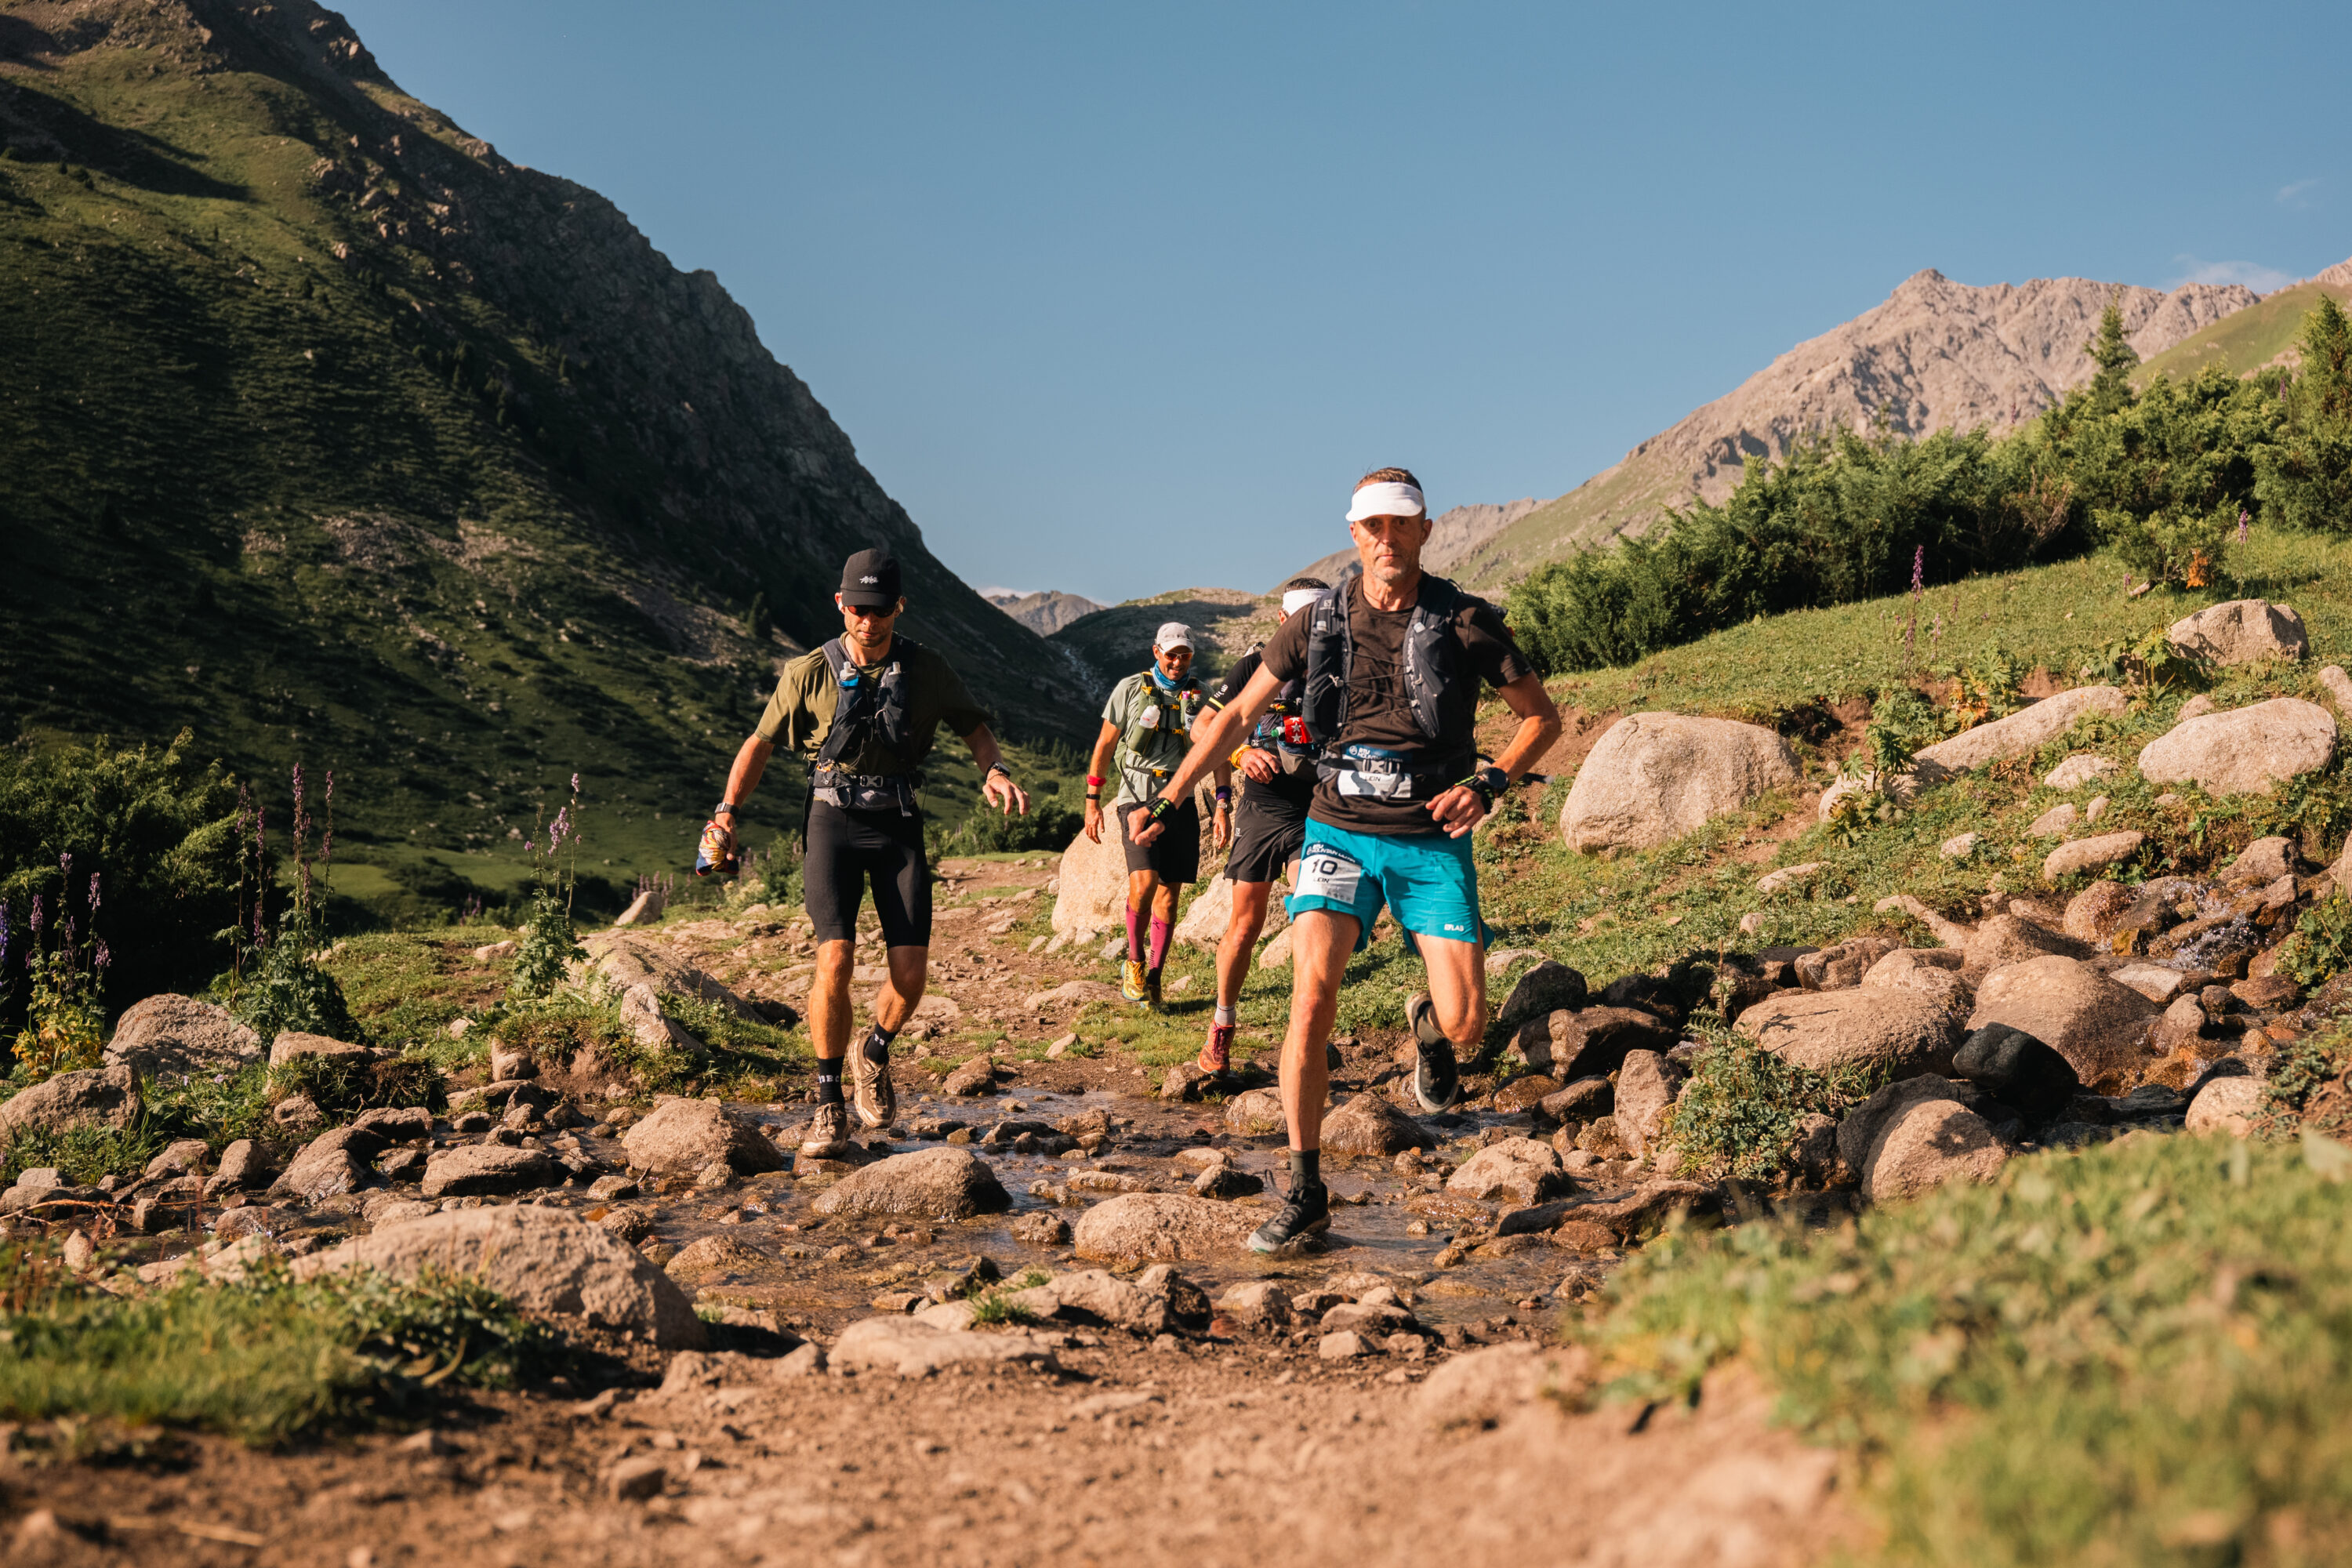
<point x="742" y="778"/>
<point x="996" y="788"/>
<point x="1211" y="742"/>
<point x="1460" y="809"/>
<point x="1098" y="767"/>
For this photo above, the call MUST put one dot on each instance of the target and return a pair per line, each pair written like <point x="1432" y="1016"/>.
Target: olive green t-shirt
<point x="1154" y="731"/>
<point x="800" y="709"/>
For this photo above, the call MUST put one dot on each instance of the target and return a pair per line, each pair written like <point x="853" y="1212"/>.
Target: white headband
<point x="1299" y="599"/>
<point x="1387" y="499"/>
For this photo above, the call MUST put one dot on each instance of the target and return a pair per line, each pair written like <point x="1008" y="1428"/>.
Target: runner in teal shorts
<point x="1389" y="665"/>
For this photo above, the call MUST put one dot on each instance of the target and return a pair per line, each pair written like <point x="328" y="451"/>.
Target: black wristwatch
<point x="997" y="768"/>
<point x="726" y="806"/>
<point x="1490" y="783"/>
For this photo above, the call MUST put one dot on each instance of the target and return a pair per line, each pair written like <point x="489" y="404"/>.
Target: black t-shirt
<point x="1380" y="708"/>
<point x="1295" y="784"/>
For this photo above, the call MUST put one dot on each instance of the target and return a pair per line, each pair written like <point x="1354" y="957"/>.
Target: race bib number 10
<point x="1325" y="873"/>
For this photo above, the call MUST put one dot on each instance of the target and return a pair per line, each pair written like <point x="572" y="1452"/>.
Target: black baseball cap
<point x="870" y="581"/>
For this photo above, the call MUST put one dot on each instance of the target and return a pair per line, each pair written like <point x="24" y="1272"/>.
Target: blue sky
<point x="1116" y="299"/>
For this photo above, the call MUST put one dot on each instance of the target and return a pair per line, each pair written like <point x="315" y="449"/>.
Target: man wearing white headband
<point x="1146" y="726"/>
<point x="1390" y="665"/>
<point x="1269" y="825"/>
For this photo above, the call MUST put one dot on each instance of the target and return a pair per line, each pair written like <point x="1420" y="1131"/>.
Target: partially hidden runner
<point x="1277" y="766"/>
<point x="1390" y="663"/>
<point x="865" y="709"/>
<point x="1146" y="726"/>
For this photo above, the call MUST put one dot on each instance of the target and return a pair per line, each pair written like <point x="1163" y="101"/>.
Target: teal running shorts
<point x="1427" y="879"/>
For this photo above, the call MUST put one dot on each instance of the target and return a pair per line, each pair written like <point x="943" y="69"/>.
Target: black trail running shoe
<point x="1437" y="1079"/>
<point x="1308" y="1211"/>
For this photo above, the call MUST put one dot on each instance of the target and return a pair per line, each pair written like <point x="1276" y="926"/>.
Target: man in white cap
<point x="1392" y="663"/>
<point x="1146" y="726"/>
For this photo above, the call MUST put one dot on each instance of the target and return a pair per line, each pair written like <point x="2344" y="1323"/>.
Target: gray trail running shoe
<point x="1436" y="1077"/>
<point x="1307" y="1211"/>
<point x="870" y="1089"/>
<point x="828" y="1133"/>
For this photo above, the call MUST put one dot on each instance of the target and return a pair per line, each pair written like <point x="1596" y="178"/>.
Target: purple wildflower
<point x="575" y="783"/>
<point x="104" y="958"/>
<point x="3" y="935"/>
<point x="1918" y="568"/>
<point x="93" y="892"/>
<point x="2243" y="520"/>
<point x="36" y="915"/>
<point x="65" y="863"/>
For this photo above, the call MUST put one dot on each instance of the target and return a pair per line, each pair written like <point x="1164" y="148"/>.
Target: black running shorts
<point x="847" y="848"/>
<point x="1175" y="855"/>
<point x="1267" y="831"/>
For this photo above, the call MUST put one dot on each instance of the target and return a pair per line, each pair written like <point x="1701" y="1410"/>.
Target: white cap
<point x="1172" y="633"/>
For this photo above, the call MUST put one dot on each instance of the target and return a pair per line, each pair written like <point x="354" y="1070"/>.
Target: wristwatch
<point x="726" y="806"/>
<point x="1490" y="783"/>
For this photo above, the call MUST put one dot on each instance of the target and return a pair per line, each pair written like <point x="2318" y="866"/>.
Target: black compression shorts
<point x="1268" y="829"/>
<point x="847" y="848"/>
<point x="1175" y="855"/>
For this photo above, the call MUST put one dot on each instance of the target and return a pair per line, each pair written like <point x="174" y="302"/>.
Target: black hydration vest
<point x="872" y="705"/>
<point x="1442" y="688"/>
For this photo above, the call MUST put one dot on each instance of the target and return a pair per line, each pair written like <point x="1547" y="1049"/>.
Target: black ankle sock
<point x="877" y="1043"/>
<point x="828" y="1082"/>
<point x="1306" y="1169"/>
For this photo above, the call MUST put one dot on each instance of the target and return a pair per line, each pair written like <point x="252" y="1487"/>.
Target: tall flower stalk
<point x="550" y="942"/>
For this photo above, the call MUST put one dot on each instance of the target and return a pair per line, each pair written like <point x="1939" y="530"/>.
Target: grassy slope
<point x="253" y="491"/>
<point x="1116" y="642"/>
<point x="1607" y="504"/>
<point x="2244" y="342"/>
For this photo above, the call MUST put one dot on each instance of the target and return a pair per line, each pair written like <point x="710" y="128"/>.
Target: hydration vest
<point x="1160" y="713"/>
<point x="872" y="705"/>
<point x="1282" y="728"/>
<point x="1439" y="683"/>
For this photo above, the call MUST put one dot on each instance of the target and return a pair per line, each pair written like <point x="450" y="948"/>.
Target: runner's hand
<point x="1221" y="831"/>
<point x="1458" y="810"/>
<point x="1140" y="828"/>
<point x="1259" y="763"/>
<point x="1000" y="791"/>
<point x="1094" y="822"/>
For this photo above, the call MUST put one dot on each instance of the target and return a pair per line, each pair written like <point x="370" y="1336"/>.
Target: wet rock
<point x="172" y="1035"/>
<point x="2091" y="914"/>
<point x="716" y="1260"/>
<point x="903" y="1347"/>
<point x="2018" y="1070"/>
<point x="2241" y="631"/>
<point x="294" y="1045"/>
<point x="976" y="1077"/>
<point x="91" y="1097"/>
<point x="1642" y="1211"/>
<point x="2007" y="939"/>
<point x="2245" y="749"/>
<point x="1182" y="1081"/>
<point x="2091" y="855"/>
<point x="2099" y="1026"/>
<point x="1368" y="1125"/>
<point x="1568" y="1044"/>
<point x="2180" y="1026"/>
<point x="1645" y="1092"/>
<point x="2270" y="992"/>
<point x="1225" y="1181"/>
<point x="1254" y="1112"/>
<point x="333" y="1162"/>
<point x="630" y="1226"/>
<point x="1041" y="1227"/>
<point x="1599" y="1139"/>
<point x="1162" y="1226"/>
<point x="1543" y="990"/>
<point x="2079" y="770"/>
<point x="1518" y="1171"/>
<point x="683" y="1136"/>
<point x="489" y="1170"/>
<point x="2227" y="1105"/>
<point x="2264" y="860"/>
<point x="943" y="1183"/>
<point x="544" y="1260"/>
<point x="1885" y="1030"/>
<point x="1527" y="1092"/>
<point x="1653" y="777"/>
<point x="1842" y="967"/>
<point x="1581" y="1101"/>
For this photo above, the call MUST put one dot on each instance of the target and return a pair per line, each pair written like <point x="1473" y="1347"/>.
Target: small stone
<point x="1225" y="1181"/>
<point x="2091" y="855"/>
<point x="2054" y="822"/>
<point x="1345" y="1345"/>
<point x="634" y="1480"/>
<point x="1959" y="847"/>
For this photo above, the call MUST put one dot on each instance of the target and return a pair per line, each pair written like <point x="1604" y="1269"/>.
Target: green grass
<point x="262" y="1361"/>
<point x="2242" y="340"/>
<point x="2138" y="1354"/>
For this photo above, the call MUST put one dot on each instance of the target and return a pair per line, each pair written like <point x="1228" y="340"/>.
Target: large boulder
<point x="1927" y="1143"/>
<point x="174" y="1036"/>
<point x="624" y="960"/>
<point x="1657" y="776"/>
<point x="2007" y="939"/>
<point x="2091" y="914"/>
<point x="1517" y="1170"/>
<point x="2091" y="855"/>
<point x="1210" y="913"/>
<point x="2097" y="1025"/>
<point x="2227" y="1105"/>
<point x="1568" y="1045"/>
<point x="333" y="1162"/>
<point x="1645" y="1092"/>
<point x="2241" y="631"/>
<point x="93" y="1097"/>
<point x="1878" y="1028"/>
<point x="297" y="1045"/>
<point x="2028" y="730"/>
<point x="1165" y="1226"/>
<point x="2246" y="750"/>
<point x="1931" y="972"/>
<point x="1255" y="1112"/>
<point x="1367" y="1124"/>
<point x="543" y="1259"/>
<point x="489" y="1170"/>
<point x="937" y="1183"/>
<point x="683" y="1137"/>
<point x="1842" y="967"/>
<point x="2018" y="1070"/>
<point x="1092" y="886"/>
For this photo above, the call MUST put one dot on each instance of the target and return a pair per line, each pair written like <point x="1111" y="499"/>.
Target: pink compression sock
<point x="1160" y="935"/>
<point x="1135" y="935"/>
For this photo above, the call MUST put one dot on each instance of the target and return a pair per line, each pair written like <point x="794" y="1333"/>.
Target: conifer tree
<point x="2306" y="479"/>
<point x="2116" y="359"/>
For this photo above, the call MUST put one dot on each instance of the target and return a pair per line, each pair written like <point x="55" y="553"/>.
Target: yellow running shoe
<point x="1130" y="980"/>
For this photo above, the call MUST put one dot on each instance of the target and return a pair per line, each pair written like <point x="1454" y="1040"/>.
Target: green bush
<point x="2306" y="477"/>
<point x="342" y="1087"/>
<point x="158" y="830"/>
<point x="2321" y="947"/>
<point x="1738" y="1114"/>
<point x="2181" y="551"/>
<point x="288" y="989"/>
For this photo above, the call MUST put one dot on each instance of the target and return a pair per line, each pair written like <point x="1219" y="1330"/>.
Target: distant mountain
<point x="1045" y="612"/>
<point x="2264" y="333"/>
<point x="1455" y="534"/>
<point x="1226" y="622"/>
<point x="334" y="435"/>
<point x="1935" y="355"/>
